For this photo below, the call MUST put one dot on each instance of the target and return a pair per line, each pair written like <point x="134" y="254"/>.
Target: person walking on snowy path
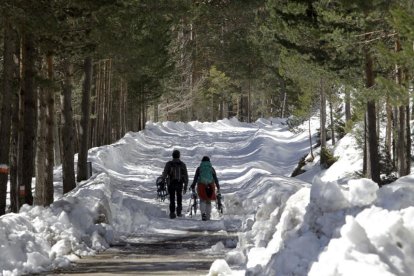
<point x="206" y="180"/>
<point x="175" y="171"/>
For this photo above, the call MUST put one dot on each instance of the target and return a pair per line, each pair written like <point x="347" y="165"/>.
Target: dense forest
<point x="79" y="74"/>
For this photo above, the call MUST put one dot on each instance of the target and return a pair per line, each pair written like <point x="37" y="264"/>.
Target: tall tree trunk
<point x="125" y="110"/>
<point x="282" y="97"/>
<point x="50" y="141"/>
<point x="284" y="104"/>
<point x="56" y="133"/>
<point x="372" y="119"/>
<point x="14" y="149"/>
<point x="98" y="99"/>
<point x="41" y="148"/>
<point x="347" y="105"/>
<point x="119" y="112"/>
<point x="249" y="95"/>
<point x="213" y="109"/>
<point x="332" y="119"/>
<point x="323" y="114"/>
<point x="366" y="171"/>
<point x="68" y="173"/>
<point x="388" y="130"/>
<point x="408" y="139"/>
<point x="84" y="125"/>
<point x="122" y="110"/>
<point x="105" y="106"/>
<point x="29" y="120"/>
<point x="310" y="139"/>
<point x="92" y="125"/>
<point x="20" y="132"/>
<point x="5" y="123"/>
<point x="401" y="142"/>
<point x="395" y="135"/>
<point x="109" y="103"/>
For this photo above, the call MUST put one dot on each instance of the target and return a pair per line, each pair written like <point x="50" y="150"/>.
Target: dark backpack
<point x="175" y="171"/>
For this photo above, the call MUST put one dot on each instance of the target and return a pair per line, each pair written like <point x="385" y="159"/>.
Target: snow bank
<point x="41" y="238"/>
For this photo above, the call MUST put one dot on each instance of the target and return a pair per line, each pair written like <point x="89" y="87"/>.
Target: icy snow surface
<point x="324" y="222"/>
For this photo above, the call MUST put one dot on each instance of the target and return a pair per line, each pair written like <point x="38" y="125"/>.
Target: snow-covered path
<point x="162" y="254"/>
<point x="250" y="159"/>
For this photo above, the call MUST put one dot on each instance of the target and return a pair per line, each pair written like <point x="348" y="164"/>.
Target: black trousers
<point x="175" y="189"/>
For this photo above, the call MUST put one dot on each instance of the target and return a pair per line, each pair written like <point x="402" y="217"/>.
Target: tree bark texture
<point x="29" y="120"/>
<point x="310" y="139"/>
<point x="366" y="169"/>
<point x="388" y="130"/>
<point x="50" y="137"/>
<point x="56" y="132"/>
<point x="323" y="114"/>
<point x="14" y="149"/>
<point x="39" y="198"/>
<point x="372" y="120"/>
<point x="332" y="121"/>
<point x="20" y="130"/>
<point x="84" y="124"/>
<point x="401" y="142"/>
<point x="68" y="173"/>
<point x="5" y="123"/>
<point x="109" y="103"/>
<point x="98" y="99"/>
<point x="408" y="139"/>
<point x="347" y="105"/>
<point x="45" y="146"/>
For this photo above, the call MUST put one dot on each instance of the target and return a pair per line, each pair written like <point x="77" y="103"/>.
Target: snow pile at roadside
<point x="39" y="238"/>
<point x="337" y="226"/>
<point x="379" y="240"/>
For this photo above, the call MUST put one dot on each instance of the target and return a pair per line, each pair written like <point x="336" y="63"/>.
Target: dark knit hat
<point x="205" y="158"/>
<point x="176" y="154"/>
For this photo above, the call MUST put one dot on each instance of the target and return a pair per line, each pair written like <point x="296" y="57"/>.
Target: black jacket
<point x="184" y="173"/>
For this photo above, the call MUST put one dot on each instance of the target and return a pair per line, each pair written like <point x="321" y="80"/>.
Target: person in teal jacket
<point x="206" y="180"/>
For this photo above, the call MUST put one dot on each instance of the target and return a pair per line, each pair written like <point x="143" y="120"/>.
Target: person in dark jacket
<point x="206" y="180"/>
<point x="175" y="171"/>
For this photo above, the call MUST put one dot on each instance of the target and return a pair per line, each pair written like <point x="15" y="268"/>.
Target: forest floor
<point x="178" y="254"/>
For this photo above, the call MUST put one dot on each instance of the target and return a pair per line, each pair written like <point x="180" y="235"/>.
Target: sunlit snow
<point x="323" y="222"/>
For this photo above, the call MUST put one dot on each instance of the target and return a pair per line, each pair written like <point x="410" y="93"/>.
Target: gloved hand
<point x="185" y="189"/>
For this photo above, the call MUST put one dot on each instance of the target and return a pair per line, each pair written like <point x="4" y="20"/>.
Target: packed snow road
<point x="163" y="254"/>
<point x="250" y="159"/>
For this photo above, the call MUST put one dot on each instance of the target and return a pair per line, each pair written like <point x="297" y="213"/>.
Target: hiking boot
<point x="179" y="215"/>
<point x="203" y="216"/>
<point x="172" y="216"/>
